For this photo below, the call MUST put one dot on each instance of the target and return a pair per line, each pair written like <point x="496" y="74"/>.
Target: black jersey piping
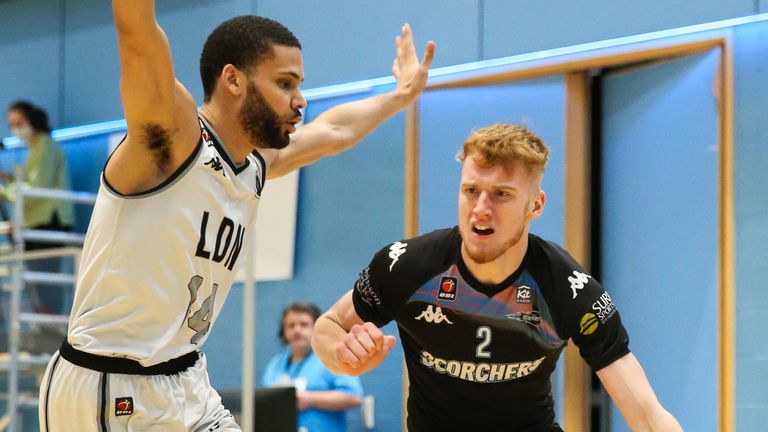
<point x="222" y="151"/>
<point x="166" y="183"/>
<point x="103" y="404"/>
<point x="48" y="391"/>
<point x="491" y="289"/>
<point x="263" y="167"/>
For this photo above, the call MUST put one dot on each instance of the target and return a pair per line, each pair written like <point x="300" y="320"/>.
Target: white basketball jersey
<point x="157" y="267"/>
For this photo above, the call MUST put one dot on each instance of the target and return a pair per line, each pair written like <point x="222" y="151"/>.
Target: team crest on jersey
<point x="207" y="138"/>
<point x="523" y="294"/>
<point x="448" y="288"/>
<point x="123" y="406"/>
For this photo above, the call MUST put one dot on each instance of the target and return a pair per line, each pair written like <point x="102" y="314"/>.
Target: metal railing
<point x="16" y="361"/>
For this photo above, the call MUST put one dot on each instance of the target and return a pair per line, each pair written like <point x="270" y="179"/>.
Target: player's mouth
<point x="482" y="230"/>
<point x="291" y="124"/>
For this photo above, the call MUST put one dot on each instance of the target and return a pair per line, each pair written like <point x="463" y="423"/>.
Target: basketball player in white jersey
<point x="173" y="213"/>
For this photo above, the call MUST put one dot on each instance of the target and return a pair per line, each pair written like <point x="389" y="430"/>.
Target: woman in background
<point x="45" y="167"/>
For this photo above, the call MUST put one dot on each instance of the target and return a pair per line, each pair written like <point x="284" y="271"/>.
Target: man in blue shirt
<point x="322" y="397"/>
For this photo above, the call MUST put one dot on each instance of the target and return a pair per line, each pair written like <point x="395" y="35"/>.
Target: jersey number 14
<point x="200" y="321"/>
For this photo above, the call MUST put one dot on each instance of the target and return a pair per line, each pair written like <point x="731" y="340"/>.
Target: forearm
<point x="630" y="390"/>
<point x="352" y="121"/>
<point x="326" y="336"/>
<point x="134" y="16"/>
<point x="332" y="400"/>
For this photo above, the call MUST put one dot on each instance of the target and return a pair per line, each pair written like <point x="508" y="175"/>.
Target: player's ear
<point x="233" y="79"/>
<point x="537" y="204"/>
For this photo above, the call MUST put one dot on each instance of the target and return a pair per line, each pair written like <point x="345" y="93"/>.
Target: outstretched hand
<point x="364" y="347"/>
<point x="411" y="74"/>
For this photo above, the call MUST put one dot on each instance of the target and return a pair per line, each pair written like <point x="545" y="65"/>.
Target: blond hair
<point x="503" y="144"/>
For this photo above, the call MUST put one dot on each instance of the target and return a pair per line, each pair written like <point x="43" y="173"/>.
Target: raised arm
<point x="630" y="390"/>
<point x="345" y="125"/>
<point x="345" y="344"/>
<point x="160" y="113"/>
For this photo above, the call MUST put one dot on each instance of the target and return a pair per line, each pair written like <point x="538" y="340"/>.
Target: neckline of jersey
<point x="218" y="143"/>
<point x="489" y="289"/>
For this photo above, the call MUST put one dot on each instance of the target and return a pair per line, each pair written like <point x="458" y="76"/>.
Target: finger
<point x="389" y="342"/>
<point x="368" y="342"/>
<point x="345" y="356"/>
<point x="429" y="55"/>
<point x="398" y="47"/>
<point x="357" y="349"/>
<point x="395" y="68"/>
<point x="375" y="334"/>
<point x="406" y="43"/>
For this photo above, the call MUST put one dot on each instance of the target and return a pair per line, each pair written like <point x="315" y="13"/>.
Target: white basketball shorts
<point x="79" y="399"/>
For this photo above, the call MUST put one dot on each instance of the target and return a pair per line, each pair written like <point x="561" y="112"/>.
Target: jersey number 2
<point x="200" y="321"/>
<point x="483" y="333"/>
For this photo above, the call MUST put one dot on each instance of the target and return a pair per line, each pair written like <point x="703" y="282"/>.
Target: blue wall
<point x="62" y="53"/>
<point x="751" y="210"/>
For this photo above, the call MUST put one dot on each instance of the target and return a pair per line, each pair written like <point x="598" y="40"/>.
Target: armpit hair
<point x="158" y="140"/>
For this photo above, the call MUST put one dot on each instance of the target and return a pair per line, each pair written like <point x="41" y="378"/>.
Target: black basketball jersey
<point x="480" y="357"/>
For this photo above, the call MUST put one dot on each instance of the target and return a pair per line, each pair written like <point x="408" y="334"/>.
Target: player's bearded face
<point x="495" y="207"/>
<point x="263" y="124"/>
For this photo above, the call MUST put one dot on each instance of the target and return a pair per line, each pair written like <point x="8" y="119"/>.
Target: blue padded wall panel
<point x="346" y="40"/>
<point x="514" y="27"/>
<point x="29" y="56"/>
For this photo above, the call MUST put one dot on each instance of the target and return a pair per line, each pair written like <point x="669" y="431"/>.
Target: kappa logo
<point x="523" y="294"/>
<point x="433" y="316"/>
<point x="447" y="289"/>
<point x="395" y="251"/>
<point x="215" y="164"/>
<point x="577" y="281"/>
<point x="123" y="406"/>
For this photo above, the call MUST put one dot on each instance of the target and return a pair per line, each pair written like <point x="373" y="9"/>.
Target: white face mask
<point x="23" y="133"/>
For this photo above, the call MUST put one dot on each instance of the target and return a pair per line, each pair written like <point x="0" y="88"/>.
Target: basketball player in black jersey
<point x="484" y="309"/>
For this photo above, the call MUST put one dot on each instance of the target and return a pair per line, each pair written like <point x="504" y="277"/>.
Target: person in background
<point x="46" y="167"/>
<point x="322" y="397"/>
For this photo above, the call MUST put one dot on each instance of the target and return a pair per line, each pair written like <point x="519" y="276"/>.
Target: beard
<point x="485" y="255"/>
<point x="262" y="124"/>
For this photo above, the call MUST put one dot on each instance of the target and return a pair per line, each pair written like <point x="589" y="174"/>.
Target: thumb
<point x="389" y="342"/>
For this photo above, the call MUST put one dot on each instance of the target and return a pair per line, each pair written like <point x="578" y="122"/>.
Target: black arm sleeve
<point x="378" y="293"/>
<point x="586" y="313"/>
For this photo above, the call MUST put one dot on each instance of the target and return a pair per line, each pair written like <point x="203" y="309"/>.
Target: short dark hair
<point x="36" y="116"/>
<point x="300" y="307"/>
<point x="241" y="41"/>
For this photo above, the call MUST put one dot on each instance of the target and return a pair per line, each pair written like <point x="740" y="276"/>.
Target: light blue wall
<point x="30" y="56"/>
<point x="751" y="210"/>
<point x="514" y="26"/>
<point x="62" y="53"/>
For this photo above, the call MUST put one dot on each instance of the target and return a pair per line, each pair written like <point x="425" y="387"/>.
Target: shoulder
<point x="550" y="257"/>
<point x="420" y="254"/>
